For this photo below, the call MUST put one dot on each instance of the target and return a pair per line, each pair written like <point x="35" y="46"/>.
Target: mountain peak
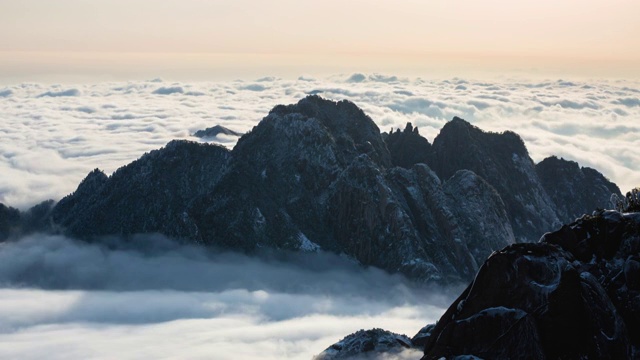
<point x="407" y="147"/>
<point x="502" y="160"/>
<point x="320" y="122"/>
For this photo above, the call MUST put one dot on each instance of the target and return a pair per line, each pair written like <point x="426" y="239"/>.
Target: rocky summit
<point x="573" y="295"/>
<point x="318" y="174"/>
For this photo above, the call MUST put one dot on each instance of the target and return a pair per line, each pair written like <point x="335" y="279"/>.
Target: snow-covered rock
<point x="369" y="344"/>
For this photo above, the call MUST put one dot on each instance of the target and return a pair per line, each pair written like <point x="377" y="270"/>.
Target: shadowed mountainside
<point x="319" y="175"/>
<point x="573" y="295"/>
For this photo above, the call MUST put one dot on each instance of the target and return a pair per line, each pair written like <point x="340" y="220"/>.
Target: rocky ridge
<point x="319" y="175"/>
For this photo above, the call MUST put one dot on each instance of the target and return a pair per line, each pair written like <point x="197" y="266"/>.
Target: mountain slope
<point x="151" y="194"/>
<point x="573" y="188"/>
<point x="503" y="161"/>
<point x="319" y="175"/>
<point x="573" y="295"/>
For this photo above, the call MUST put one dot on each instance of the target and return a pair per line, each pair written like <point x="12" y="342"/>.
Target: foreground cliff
<point x="573" y="295"/>
<point x="576" y="294"/>
<point x="319" y="175"/>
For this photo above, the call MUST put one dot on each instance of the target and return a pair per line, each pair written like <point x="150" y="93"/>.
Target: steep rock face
<point x="574" y="189"/>
<point x="326" y="181"/>
<point x="503" y="161"/>
<point x="369" y="344"/>
<point x="407" y="147"/>
<point x="318" y="175"/>
<point x="151" y="194"/>
<point x="481" y="215"/>
<point x="370" y="223"/>
<point x="277" y="186"/>
<point x="573" y="295"/>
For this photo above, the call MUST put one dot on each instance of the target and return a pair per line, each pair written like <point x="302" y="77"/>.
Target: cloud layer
<point x="54" y="135"/>
<point x="152" y="298"/>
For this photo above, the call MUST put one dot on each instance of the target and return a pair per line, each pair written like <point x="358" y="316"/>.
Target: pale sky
<point x="134" y="35"/>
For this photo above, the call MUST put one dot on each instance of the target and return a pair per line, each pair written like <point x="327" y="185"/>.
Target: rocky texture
<point x="421" y="339"/>
<point x="326" y="181"/>
<point x="574" y="189"/>
<point x="367" y="344"/>
<point x="407" y="147"/>
<point x="149" y="195"/>
<point x="319" y="175"/>
<point x="275" y="195"/>
<point x="574" y="295"/>
<point x="469" y="196"/>
<point x="503" y="161"/>
<point x="215" y="131"/>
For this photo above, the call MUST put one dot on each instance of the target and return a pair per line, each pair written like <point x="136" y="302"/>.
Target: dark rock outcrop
<point x="215" y="131"/>
<point x="503" y="161"/>
<point x="573" y="295"/>
<point x="326" y="181"/>
<point x="152" y="194"/>
<point x="407" y="147"/>
<point x="421" y="339"/>
<point x="574" y="189"/>
<point x="368" y="344"/>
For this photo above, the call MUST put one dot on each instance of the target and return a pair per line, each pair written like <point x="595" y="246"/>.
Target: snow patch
<point x="306" y="244"/>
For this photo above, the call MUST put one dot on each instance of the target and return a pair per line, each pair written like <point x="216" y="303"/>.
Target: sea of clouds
<point x="53" y="135"/>
<point x="152" y="298"/>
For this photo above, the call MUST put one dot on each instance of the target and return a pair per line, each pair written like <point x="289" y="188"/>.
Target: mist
<point x="150" y="297"/>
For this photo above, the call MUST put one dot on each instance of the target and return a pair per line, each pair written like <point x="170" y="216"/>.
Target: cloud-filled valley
<point x="54" y="135"/>
<point x="150" y="297"/>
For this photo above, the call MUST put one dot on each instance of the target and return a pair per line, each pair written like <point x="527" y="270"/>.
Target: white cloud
<point x="107" y="125"/>
<point x="151" y="298"/>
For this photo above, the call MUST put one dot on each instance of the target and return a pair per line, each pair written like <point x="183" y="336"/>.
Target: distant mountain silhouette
<point x="215" y="131"/>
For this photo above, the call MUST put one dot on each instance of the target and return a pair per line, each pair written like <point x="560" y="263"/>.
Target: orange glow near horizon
<point x="586" y="37"/>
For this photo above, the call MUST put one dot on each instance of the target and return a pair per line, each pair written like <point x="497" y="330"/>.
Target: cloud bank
<point x="151" y="298"/>
<point x="50" y="142"/>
